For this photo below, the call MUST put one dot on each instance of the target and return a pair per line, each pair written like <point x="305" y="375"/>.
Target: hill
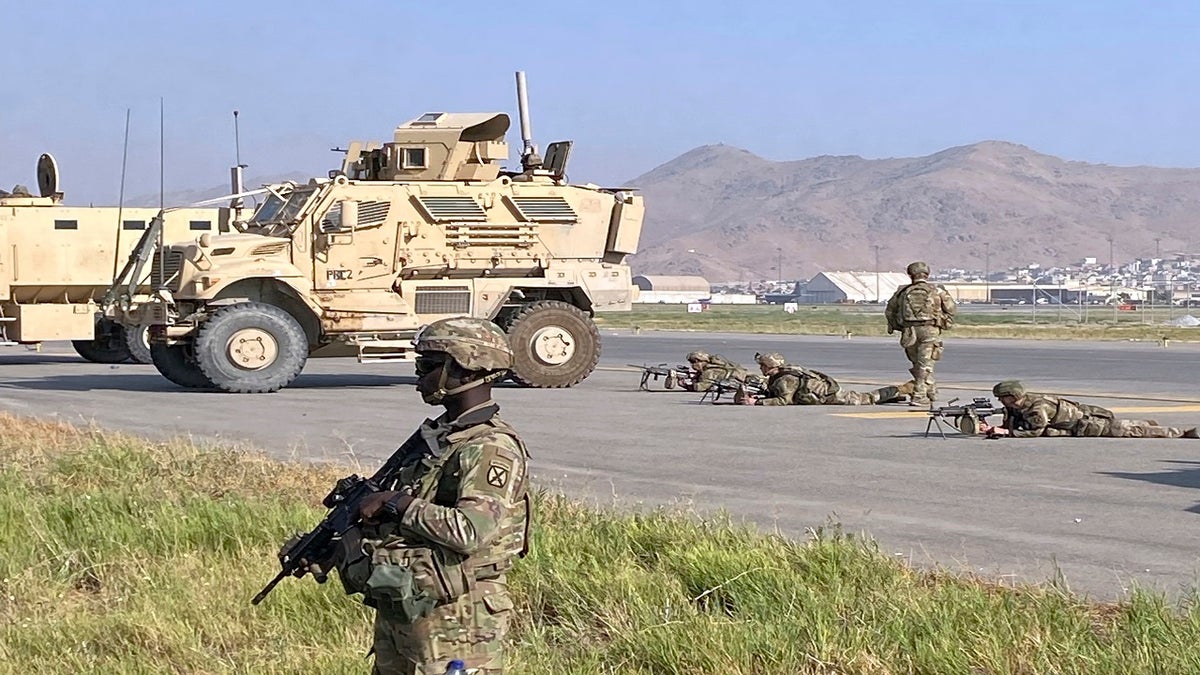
<point x="725" y="213"/>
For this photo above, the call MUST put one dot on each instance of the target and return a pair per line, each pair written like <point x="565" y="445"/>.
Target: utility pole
<point x="1112" y="278"/>
<point x="876" y="272"/>
<point x="1156" y="240"/>
<point x="987" y="272"/>
<point x="779" y="263"/>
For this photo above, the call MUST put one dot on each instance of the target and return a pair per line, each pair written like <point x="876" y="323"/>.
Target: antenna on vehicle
<point x="162" y="198"/>
<point x="121" y="195"/>
<point x="237" y="185"/>
<point x="530" y="159"/>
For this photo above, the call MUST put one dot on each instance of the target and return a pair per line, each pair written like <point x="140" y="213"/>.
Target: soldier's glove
<point x="384" y="505"/>
<point x="318" y="568"/>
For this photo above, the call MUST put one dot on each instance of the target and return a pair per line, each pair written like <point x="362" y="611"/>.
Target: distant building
<point x="829" y="287"/>
<point x="653" y="289"/>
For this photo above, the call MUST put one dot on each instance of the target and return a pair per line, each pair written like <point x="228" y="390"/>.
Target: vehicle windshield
<point x="281" y="211"/>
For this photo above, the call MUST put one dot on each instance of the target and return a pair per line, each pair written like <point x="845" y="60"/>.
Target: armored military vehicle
<point x="57" y="261"/>
<point x="426" y="226"/>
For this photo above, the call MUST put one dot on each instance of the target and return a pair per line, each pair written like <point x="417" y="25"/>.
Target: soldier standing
<point x="1028" y="415"/>
<point x="433" y="549"/>
<point x="796" y="385"/>
<point x="921" y="311"/>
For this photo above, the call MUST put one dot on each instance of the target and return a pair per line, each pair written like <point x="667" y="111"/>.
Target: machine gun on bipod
<point x="673" y="377"/>
<point x="751" y="386"/>
<point x="963" y="418"/>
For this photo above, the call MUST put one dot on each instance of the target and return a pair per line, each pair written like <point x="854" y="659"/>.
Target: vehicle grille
<point x="169" y="274"/>
<point x="270" y="249"/>
<point x="443" y="300"/>
<point x="545" y="209"/>
<point x="450" y="209"/>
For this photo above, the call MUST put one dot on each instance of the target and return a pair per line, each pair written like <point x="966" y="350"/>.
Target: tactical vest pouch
<point x="355" y="567"/>
<point x="1095" y="411"/>
<point x="409" y="581"/>
<point x="919" y="304"/>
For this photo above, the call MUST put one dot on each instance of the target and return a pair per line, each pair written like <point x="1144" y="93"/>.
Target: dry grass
<point x="121" y="555"/>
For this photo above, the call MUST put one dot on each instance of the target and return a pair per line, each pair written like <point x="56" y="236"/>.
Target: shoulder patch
<point x="498" y="474"/>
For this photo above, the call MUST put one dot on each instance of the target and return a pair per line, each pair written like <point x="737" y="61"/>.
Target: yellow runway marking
<point x="897" y="414"/>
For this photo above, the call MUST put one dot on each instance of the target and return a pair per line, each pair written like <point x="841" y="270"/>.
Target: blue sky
<point x="634" y="84"/>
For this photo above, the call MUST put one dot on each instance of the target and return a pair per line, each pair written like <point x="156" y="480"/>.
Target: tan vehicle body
<point x="57" y="262"/>
<point x="425" y="227"/>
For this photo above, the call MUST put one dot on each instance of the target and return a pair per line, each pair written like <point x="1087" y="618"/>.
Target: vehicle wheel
<point x="107" y="347"/>
<point x="178" y="364"/>
<point x="137" y="341"/>
<point x="251" y="348"/>
<point x="554" y="344"/>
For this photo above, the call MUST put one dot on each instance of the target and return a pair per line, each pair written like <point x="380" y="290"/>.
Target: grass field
<point x="1046" y="322"/>
<point x="118" y="555"/>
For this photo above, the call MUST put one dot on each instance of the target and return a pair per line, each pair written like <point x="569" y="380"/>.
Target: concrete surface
<point x="1105" y="513"/>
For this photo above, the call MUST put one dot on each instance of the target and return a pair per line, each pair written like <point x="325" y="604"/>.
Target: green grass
<point x="1047" y="322"/>
<point x="118" y="555"/>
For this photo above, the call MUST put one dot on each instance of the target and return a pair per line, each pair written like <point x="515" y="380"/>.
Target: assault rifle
<point x="679" y="375"/>
<point x="751" y="386"/>
<point x="965" y="418"/>
<point x="343" y="503"/>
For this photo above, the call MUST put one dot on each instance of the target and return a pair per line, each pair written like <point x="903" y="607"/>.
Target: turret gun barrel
<point x="529" y="154"/>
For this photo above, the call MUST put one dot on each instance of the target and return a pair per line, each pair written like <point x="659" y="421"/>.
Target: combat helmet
<point x="474" y="344"/>
<point x="699" y="356"/>
<point x="1012" y="388"/>
<point x="770" y="359"/>
<point x="918" y="267"/>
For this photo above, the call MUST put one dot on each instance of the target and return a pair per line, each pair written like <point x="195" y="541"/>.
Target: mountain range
<point x="727" y="214"/>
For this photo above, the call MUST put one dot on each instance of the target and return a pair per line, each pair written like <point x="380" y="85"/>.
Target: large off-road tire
<point x="251" y="348"/>
<point x="178" y="364"/>
<point x="137" y="341"/>
<point x="107" y="347"/>
<point x="554" y="344"/>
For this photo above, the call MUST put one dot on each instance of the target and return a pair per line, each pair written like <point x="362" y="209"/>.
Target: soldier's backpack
<point x="921" y="303"/>
<point x="815" y="386"/>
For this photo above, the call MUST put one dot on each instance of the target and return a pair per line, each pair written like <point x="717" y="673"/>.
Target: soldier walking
<point x="921" y="311"/>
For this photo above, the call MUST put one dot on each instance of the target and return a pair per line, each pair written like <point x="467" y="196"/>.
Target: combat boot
<point x="885" y="395"/>
<point x="920" y="396"/>
<point x="1191" y="433"/>
<point x="906" y="389"/>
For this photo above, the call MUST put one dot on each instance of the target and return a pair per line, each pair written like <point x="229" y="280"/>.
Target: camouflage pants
<point x="1127" y="429"/>
<point x="847" y="397"/>
<point x="473" y="629"/>
<point x="923" y="347"/>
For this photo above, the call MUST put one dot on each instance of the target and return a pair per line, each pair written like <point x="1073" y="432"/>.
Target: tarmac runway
<point x="1105" y="514"/>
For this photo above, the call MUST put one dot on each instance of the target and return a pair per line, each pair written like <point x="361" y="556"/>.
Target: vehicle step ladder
<point x="386" y="350"/>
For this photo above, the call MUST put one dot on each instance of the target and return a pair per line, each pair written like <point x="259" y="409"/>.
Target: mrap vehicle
<point x="424" y="227"/>
<point x="57" y="261"/>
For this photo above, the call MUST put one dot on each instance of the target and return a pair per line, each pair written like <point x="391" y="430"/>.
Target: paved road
<point x="1108" y="512"/>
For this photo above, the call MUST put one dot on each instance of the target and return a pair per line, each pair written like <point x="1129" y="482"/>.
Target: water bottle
<point x="456" y="667"/>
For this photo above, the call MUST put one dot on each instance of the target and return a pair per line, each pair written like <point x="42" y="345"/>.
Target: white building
<point x="654" y="289"/>
<point x="829" y="287"/>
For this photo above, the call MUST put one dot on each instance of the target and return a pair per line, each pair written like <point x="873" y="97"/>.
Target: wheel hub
<point x="553" y="345"/>
<point x="252" y="349"/>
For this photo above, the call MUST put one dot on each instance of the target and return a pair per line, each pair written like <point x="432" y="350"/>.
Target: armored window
<point x="200" y="225"/>
<point x="413" y="158"/>
<point x="429" y="118"/>
<point x="133" y="225"/>
<point x="66" y="224"/>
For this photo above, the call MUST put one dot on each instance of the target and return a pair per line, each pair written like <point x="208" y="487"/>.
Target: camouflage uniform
<point x="795" y="385"/>
<point x="1045" y="415"/>
<point x="921" y="311"/>
<point x="471" y="512"/>
<point x="715" y="368"/>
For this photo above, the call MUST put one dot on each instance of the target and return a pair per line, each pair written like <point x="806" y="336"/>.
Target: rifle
<point x="343" y="503"/>
<point x="752" y="385"/>
<point x="679" y="375"/>
<point x="966" y="418"/>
